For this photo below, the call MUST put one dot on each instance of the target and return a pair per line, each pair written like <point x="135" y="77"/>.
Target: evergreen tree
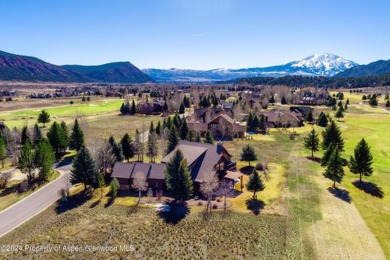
<point x="114" y="186"/>
<point x="255" y="183"/>
<point x="3" y="151"/>
<point x="309" y="117"/>
<point x="373" y="101"/>
<point x="27" y="162"/>
<point x="209" y="138"/>
<point x="190" y="136"/>
<point x="322" y="120"/>
<point x="44" y="159"/>
<point x="272" y="100"/>
<point x="152" y="146"/>
<point x="66" y="132"/>
<point x="83" y="169"/>
<point x="328" y="152"/>
<point x="57" y="139"/>
<point x="332" y="134"/>
<point x="339" y="114"/>
<point x="43" y="118"/>
<point x="76" y="137"/>
<point x="151" y="128"/>
<point x="173" y="140"/>
<point x="37" y="134"/>
<point x="334" y="168"/>
<point x="347" y="102"/>
<point x="362" y="160"/>
<point x="283" y="101"/>
<point x="249" y="122"/>
<point x="177" y="121"/>
<point x="182" y="109"/>
<point x="123" y="109"/>
<point x="388" y="103"/>
<point x="177" y="177"/>
<point x="133" y="109"/>
<point x="312" y="142"/>
<point x="101" y="184"/>
<point x="255" y="123"/>
<point x="158" y="128"/>
<point x="364" y="98"/>
<point x="184" y="130"/>
<point x="116" y="149"/>
<point x="127" y="147"/>
<point x="345" y="107"/>
<point x="25" y="135"/>
<point x="248" y="154"/>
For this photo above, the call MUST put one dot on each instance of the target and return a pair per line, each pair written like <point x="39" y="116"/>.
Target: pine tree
<point x="101" y="184"/>
<point x="334" y="169"/>
<point x="127" y="147"/>
<point x="123" y="109"/>
<point x="373" y="101"/>
<point x="249" y="122"/>
<point x="56" y="137"/>
<point x="43" y="118"/>
<point x="362" y="160"/>
<point x="37" y="134"/>
<point x="328" y="152"/>
<point x="272" y="100"/>
<point x="158" y="128"/>
<point x="83" y="169"/>
<point x="114" y="186"/>
<point x="182" y="109"/>
<point x="76" y="137"/>
<point x="190" y="136"/>
<point x="116" y="149"/>
<point x="44" y="159"/>
<point x="209" y="138"/>
<point x="25" y="135"/>
<point x="152" y="146"/>
<point x="332" y="134"/>
<point x="312" y="142"/>
<point x="248" y="154"/>
<point x="388" y="103"/>
<point x="178" y="178"/>
<point x="27" y="162"/>
<point x="151" y="128"/>
<point x="322" y="120"/>
<point x="3" y="151"/>
<point x="173" y="139"/>
<point x="184" y="130"/>
<point x="66" y="132"/>
<point x="255" y="183"/>
<point x="309" y="117"/>
<point x="133" y="109"/>
<point x="347" y="102"/>
<point x="339" y="114"/>
<point x="283" y="101"/>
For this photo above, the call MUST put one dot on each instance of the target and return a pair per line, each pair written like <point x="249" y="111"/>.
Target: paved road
<point x="30" y="206"/>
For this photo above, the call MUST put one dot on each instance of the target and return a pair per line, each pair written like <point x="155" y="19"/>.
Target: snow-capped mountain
<point x="315" y="65"/>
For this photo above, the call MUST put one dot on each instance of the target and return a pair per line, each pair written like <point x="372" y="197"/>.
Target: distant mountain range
<point x="24" y="68"/>
<point x="316" y="65"/>
<point x="377" y="68"/>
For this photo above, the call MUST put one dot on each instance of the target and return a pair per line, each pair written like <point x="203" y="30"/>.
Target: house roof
<point x="140" y="170"/>
<point x="122" y="170"/>
<point x="233" y="175"/>
<point x="157" y="171"/>
<point x="190" y="152"/>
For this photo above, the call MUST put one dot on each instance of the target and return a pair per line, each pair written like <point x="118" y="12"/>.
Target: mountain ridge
<point x="27" y="68"/>
<point x="376" y="68"/>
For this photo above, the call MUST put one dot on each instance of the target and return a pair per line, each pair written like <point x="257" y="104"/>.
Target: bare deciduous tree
<point x="5" y="177"/>
<point x="207" y="188"/>
<point x="225" y="190"/>
<point x="104" y="156"/>
<point x="140" y="184"/>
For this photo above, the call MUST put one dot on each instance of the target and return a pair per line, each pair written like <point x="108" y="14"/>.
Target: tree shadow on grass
<point x="110" y="201"/>
<point x="247" y="170"/>
<point x="178" y="211"/>
<point x="314" y="159"/>
<point x="255" y="205"/>
<point x="96" y="203"/>
<point x="340" y="193"/>
<point x="73" y="202"/>
<point x="369" y="188"/>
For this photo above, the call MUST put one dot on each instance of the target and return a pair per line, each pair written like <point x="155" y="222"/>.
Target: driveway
<point x="20" y="212"/>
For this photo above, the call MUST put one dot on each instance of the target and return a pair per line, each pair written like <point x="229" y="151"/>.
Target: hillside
<point x="121" y="72"/>
<point x="24" y="68"/>
<point x="377" y="68"/>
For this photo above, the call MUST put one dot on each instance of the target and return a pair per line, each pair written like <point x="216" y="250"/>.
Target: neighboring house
<point x="313" y="97"/>
<point x="301" y="111"/>
<point x="282" y="118"/>
<point x="126" y="172"/>
<point x="151" y="108"/>
<point x="216" y="121"/>
<point x="202" y="159"/>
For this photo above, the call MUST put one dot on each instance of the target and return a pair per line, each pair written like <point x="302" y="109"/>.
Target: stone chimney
<point x="219" y="147"/>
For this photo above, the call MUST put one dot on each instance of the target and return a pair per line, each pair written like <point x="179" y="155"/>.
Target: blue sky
<point x="199" y="34"/>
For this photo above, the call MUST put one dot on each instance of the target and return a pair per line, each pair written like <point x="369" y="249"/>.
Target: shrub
<point x="259" y="167"/>
<point x="215" y="206"/>
<point x="200" y="203"/>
